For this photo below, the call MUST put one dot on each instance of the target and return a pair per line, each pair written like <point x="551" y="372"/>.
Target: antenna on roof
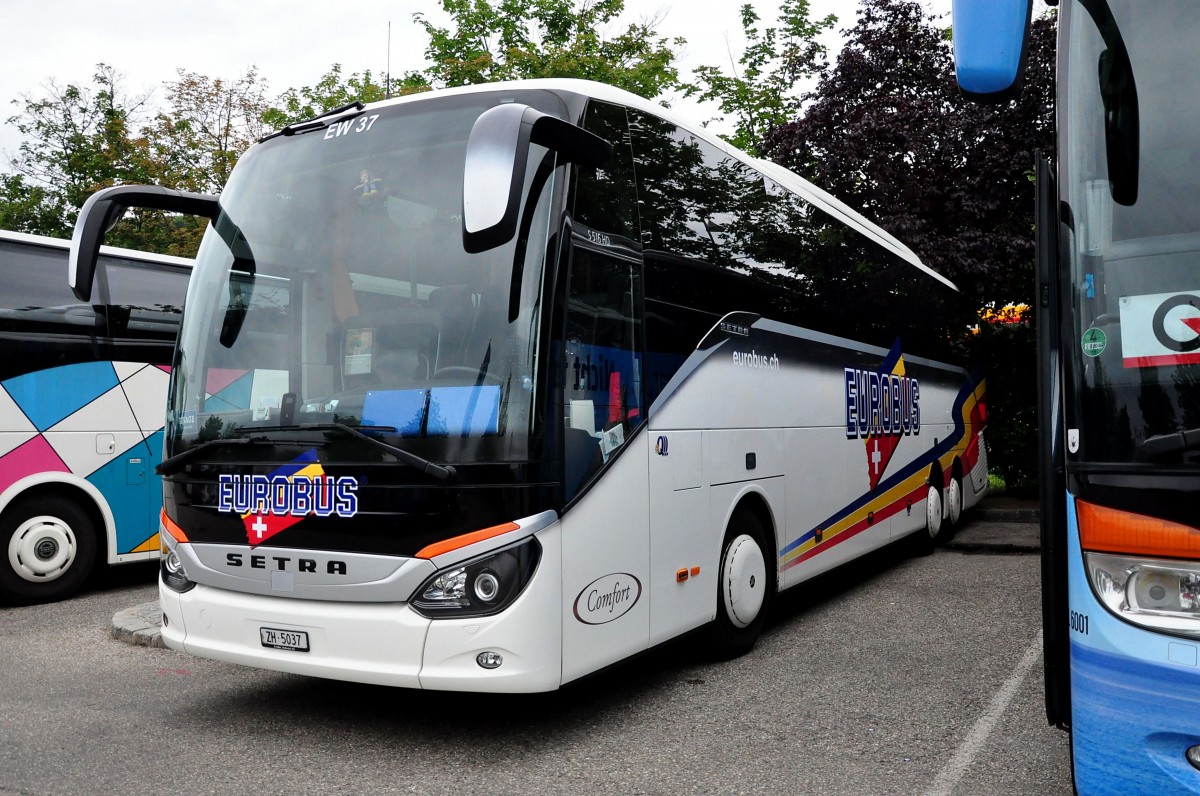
<point x="387" y="91"/>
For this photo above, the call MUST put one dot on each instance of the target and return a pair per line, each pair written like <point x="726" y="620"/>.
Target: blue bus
<point x="1118" y="292"/>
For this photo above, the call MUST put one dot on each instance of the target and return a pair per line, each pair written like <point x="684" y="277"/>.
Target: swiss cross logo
<point x="272" y="503"/>
<point x="882" y="407"/>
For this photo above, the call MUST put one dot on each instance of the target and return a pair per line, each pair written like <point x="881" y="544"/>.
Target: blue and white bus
<point x="490" y="388"/>
<point x="83" y="388"/>
<point x="1119" y="357"/>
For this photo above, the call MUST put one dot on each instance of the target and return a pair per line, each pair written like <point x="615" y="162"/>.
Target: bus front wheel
<point x="47" y="547"/>
<point x="745" y="586"/>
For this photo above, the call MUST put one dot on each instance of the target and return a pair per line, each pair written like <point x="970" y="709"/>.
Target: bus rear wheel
<point x="954" y="501"/>
<point x="745" y="586"/>
<point x="47" y="548"/>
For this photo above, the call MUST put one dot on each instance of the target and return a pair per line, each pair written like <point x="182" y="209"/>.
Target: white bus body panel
<point x="605" y="567"/>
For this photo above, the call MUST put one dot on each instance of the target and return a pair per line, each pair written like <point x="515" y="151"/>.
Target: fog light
<point x="1193" y="756"/>
<point x="492" y="660"/>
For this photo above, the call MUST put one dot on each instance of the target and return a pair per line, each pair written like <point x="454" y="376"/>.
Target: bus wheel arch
<point x="49" y="542"/>
<point x="746" y="580"/>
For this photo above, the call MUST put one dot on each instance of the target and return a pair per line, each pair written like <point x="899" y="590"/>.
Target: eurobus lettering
<point x="559" y="418"/>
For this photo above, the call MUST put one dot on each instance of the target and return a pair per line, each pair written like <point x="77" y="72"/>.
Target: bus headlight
<point x="172" y="572"/>
<point x="1152" y="592"/>
<point x="481" y="586"/>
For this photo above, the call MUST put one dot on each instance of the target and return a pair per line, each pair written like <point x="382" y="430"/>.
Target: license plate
<point x="284" y="639"/>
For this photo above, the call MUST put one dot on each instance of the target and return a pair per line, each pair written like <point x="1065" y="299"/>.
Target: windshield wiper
<point x="438" y="471"/>
<point x="1166" y="444"/>
<point x="318" y="122"/>
<point x="174" y="463"/>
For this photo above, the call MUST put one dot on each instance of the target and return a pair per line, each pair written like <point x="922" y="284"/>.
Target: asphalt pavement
<point x="998" y="525"/>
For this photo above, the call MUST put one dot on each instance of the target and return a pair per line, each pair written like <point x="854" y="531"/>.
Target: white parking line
<point x="972" y="745"/>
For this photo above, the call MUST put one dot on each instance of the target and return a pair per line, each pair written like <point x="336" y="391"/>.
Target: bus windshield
<point x="333" y="289"/>
<point x="1130" y="171"/>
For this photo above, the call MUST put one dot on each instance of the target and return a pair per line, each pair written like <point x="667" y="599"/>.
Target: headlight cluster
<point x="1157" y="593"/>
<point x="172" y="572"/>
<point x="481" y="586"/>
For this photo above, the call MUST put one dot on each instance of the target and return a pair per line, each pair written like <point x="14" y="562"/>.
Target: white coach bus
<point x="489" y="388"/>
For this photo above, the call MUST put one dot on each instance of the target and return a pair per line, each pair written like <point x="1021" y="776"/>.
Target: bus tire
<point x="924" y="539"/>
<point x="746" y="583"/>
<point x="954" y="501"/>
<point x="47" y="549"/>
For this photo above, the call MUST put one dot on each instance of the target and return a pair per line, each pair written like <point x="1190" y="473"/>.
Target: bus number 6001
<point x="1079" y="622"/>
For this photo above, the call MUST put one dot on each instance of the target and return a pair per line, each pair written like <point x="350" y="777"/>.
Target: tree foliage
<point x="78" y="139"/>
<point x="208" y="124"/>
<point x="333" y="91"/>
<point x="761" y="93"/>
<point x="523" y="39"/>
<point x="887" y="131"/>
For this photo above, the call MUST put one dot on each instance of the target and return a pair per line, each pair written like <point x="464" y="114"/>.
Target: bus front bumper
<point x="378" y="643"/>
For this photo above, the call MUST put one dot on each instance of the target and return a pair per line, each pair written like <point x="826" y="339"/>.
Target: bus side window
<point x="42" y="325"/>
<point x="602" y="375"/>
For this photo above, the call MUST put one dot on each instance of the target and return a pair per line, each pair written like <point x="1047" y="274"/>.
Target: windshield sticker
<point x="269" y="504"/>
<point x="882" y="406"/>
<point x="1094" y="342"/>
<point x="1160" y="329"/>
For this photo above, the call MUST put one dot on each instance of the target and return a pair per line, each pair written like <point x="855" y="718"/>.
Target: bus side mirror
<point x="497" y="154"/>
<point x="105" y="207"/>
<point x="990" y="42"/>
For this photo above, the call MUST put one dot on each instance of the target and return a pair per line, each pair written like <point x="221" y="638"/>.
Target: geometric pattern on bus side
<point x="129" y="503"/>
<point x="47" y="396"/>
<point x="74" y="437"/>
<point x="15" y="428"/>
<point x="146" y="390"/>
<point x="35" y="456"/>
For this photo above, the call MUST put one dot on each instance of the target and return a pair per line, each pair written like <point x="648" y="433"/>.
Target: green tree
<point x="762" y="92"/>
<point x="522" y="39"/>
<point x="76" y="140"/>
<point x="333" y="91"/>
<point x="209" y="123"/>
<point x="29" y="208"/>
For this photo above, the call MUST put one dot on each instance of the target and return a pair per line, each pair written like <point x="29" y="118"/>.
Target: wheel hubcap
<point x="745" y="578"/>
<point x="42" y="549"/>
<point x="933" y="512"/>
<point x="954" y="498"/>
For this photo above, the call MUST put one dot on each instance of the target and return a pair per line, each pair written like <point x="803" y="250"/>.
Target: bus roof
<point x="112" y="251"/>
<point x="788" y="179"/>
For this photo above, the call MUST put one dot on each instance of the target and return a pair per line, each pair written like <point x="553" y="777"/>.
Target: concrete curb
<point x="140" y="626"/>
